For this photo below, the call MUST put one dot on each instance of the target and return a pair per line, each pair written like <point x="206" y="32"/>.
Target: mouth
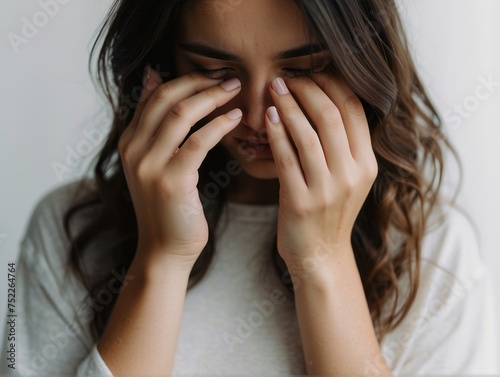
<point x="253" y="147"/>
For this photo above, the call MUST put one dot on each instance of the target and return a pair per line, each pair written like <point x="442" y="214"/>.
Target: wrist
<point x="157" y="265"/>
<point x="323" y="270"/>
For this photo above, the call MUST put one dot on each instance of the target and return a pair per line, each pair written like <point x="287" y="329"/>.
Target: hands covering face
<point x="319" y="136"/>
<point x="325" y="176"/>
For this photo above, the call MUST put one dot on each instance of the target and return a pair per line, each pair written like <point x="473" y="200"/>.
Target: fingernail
<point x="273" y="115"/>
<point x="230" y="85"/>
<point x="235" y="114"/>
<point x="279" y="86"/>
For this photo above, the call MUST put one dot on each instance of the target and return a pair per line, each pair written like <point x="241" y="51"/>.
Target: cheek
<point x="220" y="111"/>
<point x="210" y="117"/>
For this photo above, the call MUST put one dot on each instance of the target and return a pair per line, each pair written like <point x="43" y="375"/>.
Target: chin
<point x="260" y="169"/>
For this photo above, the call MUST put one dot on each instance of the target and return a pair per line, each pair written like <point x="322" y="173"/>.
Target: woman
<point x="267" y="201"/>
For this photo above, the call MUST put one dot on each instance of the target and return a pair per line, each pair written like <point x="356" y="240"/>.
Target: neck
<point x="245" y="189"/>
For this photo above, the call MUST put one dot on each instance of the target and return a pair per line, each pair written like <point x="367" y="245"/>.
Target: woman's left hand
<point x="325" y="176"/>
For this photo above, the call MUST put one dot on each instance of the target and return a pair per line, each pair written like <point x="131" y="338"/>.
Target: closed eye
<point x="221" y="73"/>
<point x="226" y="72"/>
<point x="299" y="72"/>
<point x="295" y="72"/>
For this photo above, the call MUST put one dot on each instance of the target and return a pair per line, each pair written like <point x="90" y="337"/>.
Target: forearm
<point x="335" y="324"/>
<point x="142" y="332"/>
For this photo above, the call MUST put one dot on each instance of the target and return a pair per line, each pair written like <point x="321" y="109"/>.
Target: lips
<point x="247" y="144"/>
<point x="253" y="142"/>
<point x="254" y="149"/>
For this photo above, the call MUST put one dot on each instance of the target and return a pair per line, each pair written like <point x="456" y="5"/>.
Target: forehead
<point x="263" y="26"/>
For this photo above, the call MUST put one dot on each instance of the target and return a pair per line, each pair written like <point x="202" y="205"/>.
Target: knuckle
<point x="348" y="187"/>
<point x="141" y="170"/>
<point x="122" y="143"/>
<point x="328" y="112"/>
<point x="301" y="209"/>
<point x="353" y="104"/>
<point x="346" y="191"/>
<point x="331" y="114"/>
<point x="163" y="91"/>
<point x="179" y="110"/>
<point x="172" y="187"/>
<point x="287" y="161"/>
<point x="126" y="155"/>
<point x="194" y="142"/>
<point x="213" y="97"/>
<point x="325" y="196"/>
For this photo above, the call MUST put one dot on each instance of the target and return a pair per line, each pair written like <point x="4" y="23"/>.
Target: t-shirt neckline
<point x="252" y="212"/>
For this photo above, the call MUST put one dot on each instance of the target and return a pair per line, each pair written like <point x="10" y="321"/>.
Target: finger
<point x="185" y="114"/>
<point x="328" y="120"/>
<point x="151" y="81"/>
<point x="287" y="163"/>
<point x="352" y="112"/>
<point x="190" y="156"/>
<point x="161" y="101"/>
<point x="312" y="157"/>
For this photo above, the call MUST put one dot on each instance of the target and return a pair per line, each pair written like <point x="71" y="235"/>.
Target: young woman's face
<point x="255" y="41"/>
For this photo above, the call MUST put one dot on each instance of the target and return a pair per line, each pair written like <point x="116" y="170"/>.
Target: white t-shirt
<point x="240" y="320"/>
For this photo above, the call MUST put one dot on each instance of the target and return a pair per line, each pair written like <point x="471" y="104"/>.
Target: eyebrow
<point x="214" y="53"/>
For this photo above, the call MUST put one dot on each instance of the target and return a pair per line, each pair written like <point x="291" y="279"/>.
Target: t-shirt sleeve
<point x="461" y="340"/>
<point x="93" y="365"/>
<point x="452" y="326"/>
<point x="53" y="312"/>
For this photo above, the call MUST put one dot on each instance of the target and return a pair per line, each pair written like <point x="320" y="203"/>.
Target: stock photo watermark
<point x="11" y="315"/>
<point x="245" y="327"/>
<point x="129" y="101"/>
<point x="222" y="179"/>
<point x="211" y="190"/>
<point x="76" y="154"/>
<point x="418" y="322"/>
<point x="30" y="27"/>
<point x="486" y="88"/>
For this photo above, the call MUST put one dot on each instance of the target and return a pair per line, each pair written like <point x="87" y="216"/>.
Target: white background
<point x="47" y="99"/>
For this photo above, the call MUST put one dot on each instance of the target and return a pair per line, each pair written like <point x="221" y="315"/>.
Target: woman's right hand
<point x="162" y="178"/>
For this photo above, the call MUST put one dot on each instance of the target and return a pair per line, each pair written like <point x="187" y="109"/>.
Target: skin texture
<point x="322" y="169"/>
<point x="244" y="31"/>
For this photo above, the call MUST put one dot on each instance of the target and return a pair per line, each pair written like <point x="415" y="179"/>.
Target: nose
<point x="254" y="100"/>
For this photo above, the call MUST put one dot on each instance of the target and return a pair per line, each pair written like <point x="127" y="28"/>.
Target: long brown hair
<point x="369" y="51"/>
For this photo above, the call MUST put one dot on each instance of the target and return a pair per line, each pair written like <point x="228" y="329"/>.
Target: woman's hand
<point x="325" y="176"/>
<point x="163" y="178"/>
